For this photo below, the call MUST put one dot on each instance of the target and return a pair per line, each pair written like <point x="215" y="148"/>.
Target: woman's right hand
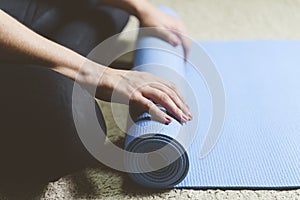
<point x="143" y="90"/>
<point x="127" y="86"/>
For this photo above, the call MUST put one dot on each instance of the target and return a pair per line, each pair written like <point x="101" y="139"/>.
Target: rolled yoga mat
<point x="259" y="145"/>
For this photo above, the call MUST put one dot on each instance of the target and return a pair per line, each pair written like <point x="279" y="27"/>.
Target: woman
<point x="39" y="61"/>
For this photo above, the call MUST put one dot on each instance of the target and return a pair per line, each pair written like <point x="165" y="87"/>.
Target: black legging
<point x="38" y="138"/>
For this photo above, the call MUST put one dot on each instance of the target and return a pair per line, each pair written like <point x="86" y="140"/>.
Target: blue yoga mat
<point x="259" y="144"/>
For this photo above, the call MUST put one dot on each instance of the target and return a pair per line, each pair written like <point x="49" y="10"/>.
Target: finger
<point x="173" y="39"/>
<point x="169" y="36"/>
<point x="173" y="87"/>
<point x="175" y="98"/>
<point x="186" y="43"/>
<point x="164" y="99"/>
<point x="154" y="111"/>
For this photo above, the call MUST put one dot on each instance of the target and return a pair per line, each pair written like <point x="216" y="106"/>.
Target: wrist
<point x="91" y="73"/>
<point x="133" y="7"/>
<point x="82" y="70"/>
<point x="139" y="8"/>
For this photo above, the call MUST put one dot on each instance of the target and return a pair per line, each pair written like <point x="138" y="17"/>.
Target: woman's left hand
<point x="169" y="28"/>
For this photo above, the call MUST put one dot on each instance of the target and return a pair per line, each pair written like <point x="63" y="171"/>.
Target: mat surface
<point x="258" y="146"/>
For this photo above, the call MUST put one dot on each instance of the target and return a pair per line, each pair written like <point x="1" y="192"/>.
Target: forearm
<point x="19" y="44"/>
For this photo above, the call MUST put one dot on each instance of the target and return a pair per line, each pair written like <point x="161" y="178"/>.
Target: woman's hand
<point x="169" y="28"/>
<point x="127" y="86"/>
<point x="143" y="90"/>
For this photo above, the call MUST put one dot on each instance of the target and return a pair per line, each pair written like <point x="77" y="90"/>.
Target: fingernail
<point x="167" y="120"/>
<point x="190" y="116"/>
<point x="184" y="118"/>
<point x="174" y="44"/>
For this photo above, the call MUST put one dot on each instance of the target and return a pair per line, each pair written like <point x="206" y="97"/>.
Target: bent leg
<point x="90" y="27"/>
<point x="38" y="137"/>
<point x="79" y="25"/>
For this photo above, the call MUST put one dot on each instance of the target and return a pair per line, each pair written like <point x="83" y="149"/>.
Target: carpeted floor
<point x="206" y="20"/>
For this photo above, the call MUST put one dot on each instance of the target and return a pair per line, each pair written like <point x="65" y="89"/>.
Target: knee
<point x="119" y="18"/>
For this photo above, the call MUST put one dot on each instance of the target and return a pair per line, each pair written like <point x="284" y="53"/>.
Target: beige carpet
<point x="206" y="20"/>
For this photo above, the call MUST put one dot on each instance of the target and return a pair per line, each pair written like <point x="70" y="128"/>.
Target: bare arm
<point x="20" y="44"/>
